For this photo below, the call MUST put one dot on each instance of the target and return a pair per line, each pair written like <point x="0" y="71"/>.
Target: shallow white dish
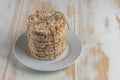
<point x="71" y="53"/>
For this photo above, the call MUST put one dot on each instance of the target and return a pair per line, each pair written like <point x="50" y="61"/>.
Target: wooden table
<point x="96" y="22"/>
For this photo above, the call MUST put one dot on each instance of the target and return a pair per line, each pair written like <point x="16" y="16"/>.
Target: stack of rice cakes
<point x="46" y="34"/>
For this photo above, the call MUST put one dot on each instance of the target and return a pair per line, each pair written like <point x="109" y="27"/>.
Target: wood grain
<point x="102" y="62"/>
<point x="95" y="22"/>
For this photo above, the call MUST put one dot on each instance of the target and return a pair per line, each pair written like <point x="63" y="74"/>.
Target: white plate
<point x="71" y="53"/>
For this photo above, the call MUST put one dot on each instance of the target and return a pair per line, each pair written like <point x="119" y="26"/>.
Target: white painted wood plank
<point x="96" y="22"/>
<point x="6" y="35"/>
